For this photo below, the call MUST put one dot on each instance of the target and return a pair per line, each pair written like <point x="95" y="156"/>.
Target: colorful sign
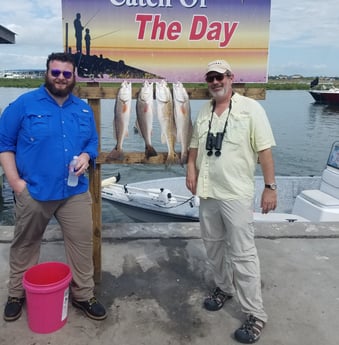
<point x="167" y="39"/>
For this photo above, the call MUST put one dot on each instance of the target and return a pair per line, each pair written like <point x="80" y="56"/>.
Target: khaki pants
<point x="74" y="215"/>
<point x="228" y="234"/>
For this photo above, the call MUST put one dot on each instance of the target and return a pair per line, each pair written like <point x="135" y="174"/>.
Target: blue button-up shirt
<point x="44" y="137"/>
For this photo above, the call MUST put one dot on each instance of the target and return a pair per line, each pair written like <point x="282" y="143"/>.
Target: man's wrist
<point x="272" y="186"/>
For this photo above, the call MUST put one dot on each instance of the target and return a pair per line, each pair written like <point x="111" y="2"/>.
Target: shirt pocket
<point x="84" y="125"/>
<point x="238" y="130"/>
<point x="39" y="125"/>
<point x="202" y="132"/>
<point x="202" y="135"/>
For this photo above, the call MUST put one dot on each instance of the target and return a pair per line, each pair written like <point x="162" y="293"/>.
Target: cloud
<point x="303" y="35"/>
<point x="305" y="23"/>
<point x="38" y="28"/>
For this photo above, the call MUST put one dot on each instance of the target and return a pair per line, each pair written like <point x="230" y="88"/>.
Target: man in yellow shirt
<point x="230" y="134"/>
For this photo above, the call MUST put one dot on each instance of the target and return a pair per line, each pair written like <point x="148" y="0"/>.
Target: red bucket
<point x="47" y="291"/>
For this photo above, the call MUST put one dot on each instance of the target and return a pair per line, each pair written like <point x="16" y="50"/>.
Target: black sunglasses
<point x="218" y="77"/>
<point x="56" y="72"/>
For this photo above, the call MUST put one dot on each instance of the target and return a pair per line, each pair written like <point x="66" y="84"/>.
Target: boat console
<point x="322" y="205"/>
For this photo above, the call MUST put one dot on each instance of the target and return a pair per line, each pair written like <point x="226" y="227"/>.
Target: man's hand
<point x="268" y="200"/>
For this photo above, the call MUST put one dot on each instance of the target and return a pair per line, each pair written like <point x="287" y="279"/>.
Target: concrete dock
<point x="155" y="276"/>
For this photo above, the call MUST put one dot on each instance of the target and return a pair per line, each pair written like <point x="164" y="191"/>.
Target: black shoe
<point x="250" y="331"/>
<point x="92" y="308"/>
<point x="216" y="299"/>
<point x="13" y="308"/>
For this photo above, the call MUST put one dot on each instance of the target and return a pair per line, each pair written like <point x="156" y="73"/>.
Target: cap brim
<point x="218" y="70"/>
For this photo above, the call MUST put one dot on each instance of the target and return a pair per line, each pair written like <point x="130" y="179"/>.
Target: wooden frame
<point x="93" y="92"/>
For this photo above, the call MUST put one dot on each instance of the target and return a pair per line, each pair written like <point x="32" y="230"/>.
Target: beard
<point x="219" y="93"/>
<point x="50" y="86"/>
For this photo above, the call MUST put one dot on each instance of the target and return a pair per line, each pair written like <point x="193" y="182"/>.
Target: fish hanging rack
<point x="94" y="92"/>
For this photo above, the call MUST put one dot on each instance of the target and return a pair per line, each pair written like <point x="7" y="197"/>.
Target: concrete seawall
<point x="133" y="231"/>
<point x="155" y="276"/>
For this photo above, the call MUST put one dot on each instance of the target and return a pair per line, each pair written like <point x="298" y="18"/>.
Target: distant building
<point x="6" y="36"/>
<point x="22" y="74"/>
<point x="296" y="76"/>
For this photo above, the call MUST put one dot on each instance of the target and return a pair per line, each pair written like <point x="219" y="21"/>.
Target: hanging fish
<point x="122" y="114"/>
<point x="144" y="121"/>
<point x="182" y="117"/>
<point x="166" y="119"/>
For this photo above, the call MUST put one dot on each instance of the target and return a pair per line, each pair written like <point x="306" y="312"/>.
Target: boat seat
<point x="322" y="205"/>
<point x="316" y="206"/>
<point x="319" y="198"/>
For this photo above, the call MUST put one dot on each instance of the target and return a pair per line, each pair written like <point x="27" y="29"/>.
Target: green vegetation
<point x="273" y="84"/>
<point x="281" y="86"/>
<point x="27" y="83"/>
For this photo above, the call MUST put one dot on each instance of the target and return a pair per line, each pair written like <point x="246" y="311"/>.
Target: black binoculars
<point x="214" y="142"/>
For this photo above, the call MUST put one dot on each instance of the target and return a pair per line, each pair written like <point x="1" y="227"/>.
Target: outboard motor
<point x="165" y="195"/>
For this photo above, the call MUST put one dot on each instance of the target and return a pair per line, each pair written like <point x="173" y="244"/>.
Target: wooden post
<point x="95" y="189"/>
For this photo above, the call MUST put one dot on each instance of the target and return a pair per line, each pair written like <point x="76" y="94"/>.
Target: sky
<point x="303" y="36"/>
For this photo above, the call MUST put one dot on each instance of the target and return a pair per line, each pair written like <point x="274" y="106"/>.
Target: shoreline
<point x="272" y="84"/>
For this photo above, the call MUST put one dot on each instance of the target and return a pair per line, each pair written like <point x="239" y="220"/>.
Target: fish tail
<point x="116" y="154"/>
<point x="150" y="151"/>
<point x="183" y="158"/>
<point x="171" y="159"/>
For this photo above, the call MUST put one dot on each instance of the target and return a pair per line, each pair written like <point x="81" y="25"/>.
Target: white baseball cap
<point x="220" y="66"/>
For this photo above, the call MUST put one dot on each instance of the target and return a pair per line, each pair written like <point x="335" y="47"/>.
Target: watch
<point x="271" y="186"/>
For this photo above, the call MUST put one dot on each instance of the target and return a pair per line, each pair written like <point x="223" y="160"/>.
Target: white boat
<point x="302" y="199"/>
<point x="324" y="93"/>
<point x="160" y="200"/>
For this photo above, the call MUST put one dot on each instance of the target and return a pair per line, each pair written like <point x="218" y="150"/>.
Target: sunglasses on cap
<point x="218" y="77"/>
<point x="56" y="72"/>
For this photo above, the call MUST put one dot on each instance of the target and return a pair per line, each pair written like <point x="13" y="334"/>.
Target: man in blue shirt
<point x="40" y="133"/>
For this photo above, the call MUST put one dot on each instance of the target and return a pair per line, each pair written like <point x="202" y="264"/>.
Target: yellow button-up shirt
<point x="231" y="175"/>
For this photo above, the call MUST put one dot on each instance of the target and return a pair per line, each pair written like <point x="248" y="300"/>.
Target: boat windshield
<point x="324" y="86"/>
<point x="333" y="158"/>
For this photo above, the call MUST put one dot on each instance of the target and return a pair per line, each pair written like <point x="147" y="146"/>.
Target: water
<point x="304" y="133"/>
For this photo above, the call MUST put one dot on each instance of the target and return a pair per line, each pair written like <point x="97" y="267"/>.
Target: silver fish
<point x="122" y="114"/>
<point x="144" y="121"/>
<point x="182" y="117"/>
<point x="166" y="119"/>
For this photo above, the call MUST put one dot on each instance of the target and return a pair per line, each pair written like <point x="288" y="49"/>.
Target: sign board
<point x="166" y="39"/>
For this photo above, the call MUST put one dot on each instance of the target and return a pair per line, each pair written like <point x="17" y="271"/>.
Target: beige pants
<point x="74" y="215"/>
<point x="228" y="234"/>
